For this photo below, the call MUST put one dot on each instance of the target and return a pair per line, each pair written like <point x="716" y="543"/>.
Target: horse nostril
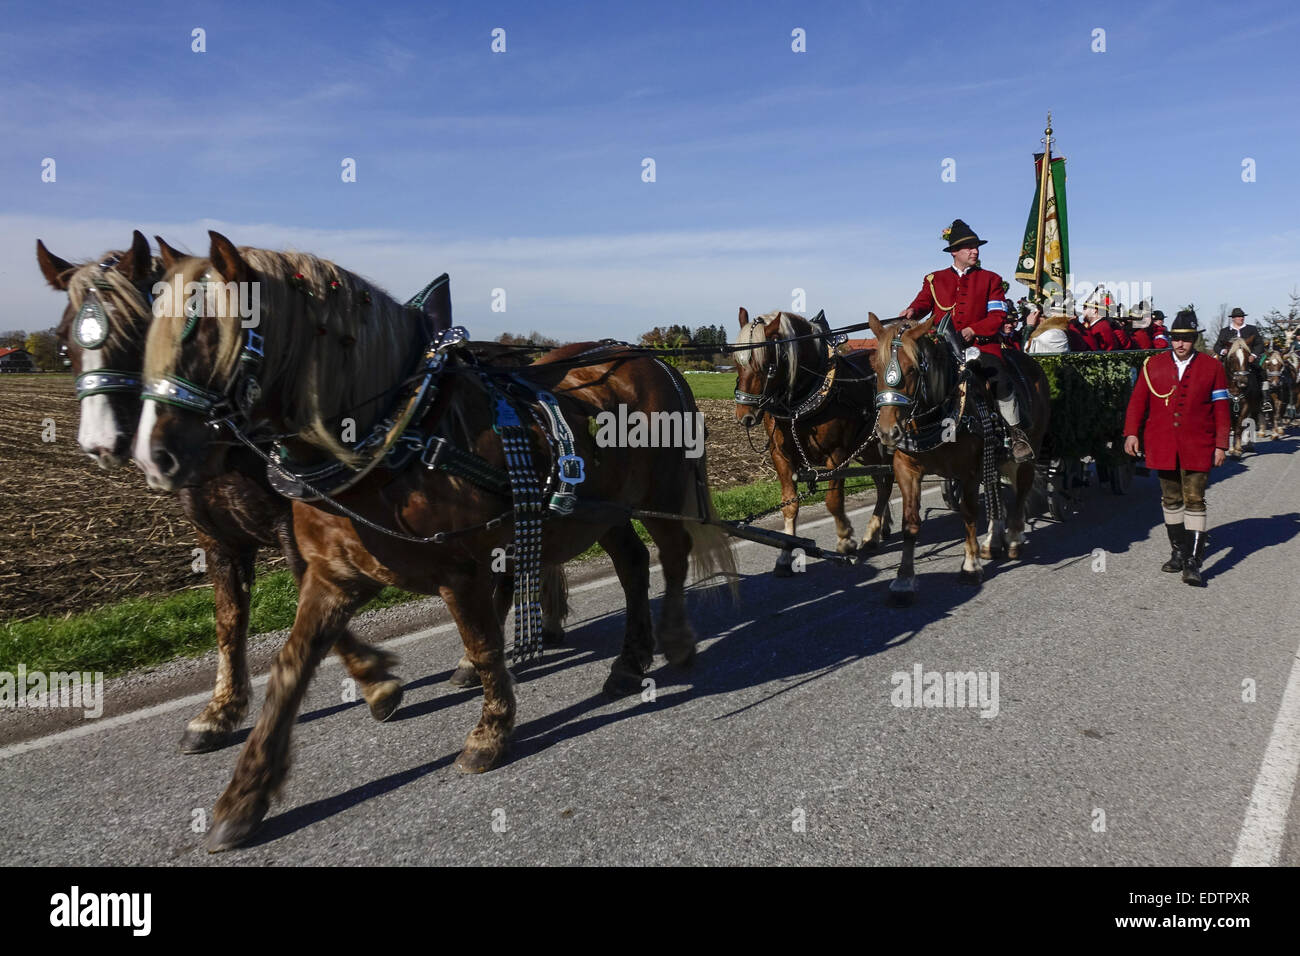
<point x="747" y="420"/>
<point x="165" y="461"/>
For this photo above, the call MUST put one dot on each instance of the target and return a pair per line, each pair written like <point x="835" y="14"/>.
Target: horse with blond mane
<point x="816" y="407"/>
<point x="1281" y="389"/>
<point x="934" y="423"/>
<point x="1246" y="397"/>
<point x="331" y="346"/>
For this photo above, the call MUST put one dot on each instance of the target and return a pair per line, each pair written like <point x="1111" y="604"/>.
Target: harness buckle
<point x="433" y="451"/>
<point x="572" y="469"/>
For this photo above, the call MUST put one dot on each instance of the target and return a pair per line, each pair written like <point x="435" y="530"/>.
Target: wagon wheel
<point x="952" y="493"/>
<point x="1121" y="477"/>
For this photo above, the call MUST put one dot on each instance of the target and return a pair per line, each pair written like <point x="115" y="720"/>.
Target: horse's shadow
<point x="761" y="650"/>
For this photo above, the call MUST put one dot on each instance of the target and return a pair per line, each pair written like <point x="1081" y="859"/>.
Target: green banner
<point x="1050" y="269"/>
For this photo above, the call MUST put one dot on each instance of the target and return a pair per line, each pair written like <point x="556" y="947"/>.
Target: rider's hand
<point x="907" y="313"/>
<point x="1219" y="457"/>
<point x="1131" y="445"/>
<point x="968" y="334"/>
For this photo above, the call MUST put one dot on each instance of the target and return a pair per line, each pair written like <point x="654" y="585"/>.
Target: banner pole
<point x="1042" y="209"/>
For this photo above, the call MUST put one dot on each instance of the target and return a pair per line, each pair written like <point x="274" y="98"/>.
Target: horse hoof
<point x="478" y="761"/>
<point x="552" y="638"/>
<point x="203" y="741"/>
<point x="620" y="684"/>
<point x="385" y="705"/>
<point x="1013" y="551"/>
<point x="465" y="676"/>
<point x="783" y="571"/>
<point x="231" y="833"/>
<point x="969" y="577"/>
<point x="845" y="546"/>
<point x="986" y="553"/>
<point x="680" y="655"/>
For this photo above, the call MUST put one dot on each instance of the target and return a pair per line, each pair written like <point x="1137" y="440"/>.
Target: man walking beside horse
<point x="1181" y="400"/>
<point x="974" y="298"/>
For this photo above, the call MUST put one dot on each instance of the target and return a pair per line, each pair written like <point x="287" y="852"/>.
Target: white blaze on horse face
<point x="97" y="431"/>
<point x="143" y="438"/>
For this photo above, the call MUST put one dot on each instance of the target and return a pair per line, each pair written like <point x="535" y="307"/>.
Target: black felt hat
<point x="1237" y="313"/>
<point x="1185" y="325"/>
<point x="960" y="235"/>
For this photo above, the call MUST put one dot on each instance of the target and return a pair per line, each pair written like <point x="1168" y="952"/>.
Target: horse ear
<point x="170" y="255"/>
<point x="877" y="329"/>
<point x="918" y="330"/>
<point x="57" y="271"/>
<point x="135" y="264"/>
<point x="226" y="259"/>
<point x="744" y="317"/>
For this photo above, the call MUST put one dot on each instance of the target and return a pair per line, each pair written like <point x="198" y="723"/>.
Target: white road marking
<point x="194" y="700"/>
<point x="1264" y="829"/>
<point x="1260" y="842"/>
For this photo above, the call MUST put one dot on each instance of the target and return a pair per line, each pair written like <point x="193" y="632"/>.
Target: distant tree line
<point x="669" y="337"/>
<point x="43" y="346"/>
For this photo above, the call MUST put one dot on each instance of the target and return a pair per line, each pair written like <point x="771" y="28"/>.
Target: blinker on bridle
<point x="90" y="332"/>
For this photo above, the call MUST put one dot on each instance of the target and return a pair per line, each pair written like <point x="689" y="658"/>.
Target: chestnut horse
<point x="329" y="343"/>
<point x="817" y="410"/>
<point x="921" y="404"/>
<point x="1245" y="395"/>
<point x="234" y="512"/>
<point x="1281" y="389"/>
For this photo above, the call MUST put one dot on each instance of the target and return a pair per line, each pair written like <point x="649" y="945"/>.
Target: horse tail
<point x="711" y="553"/>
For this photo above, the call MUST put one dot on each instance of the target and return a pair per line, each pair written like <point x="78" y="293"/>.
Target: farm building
<point x="16" y="360"/>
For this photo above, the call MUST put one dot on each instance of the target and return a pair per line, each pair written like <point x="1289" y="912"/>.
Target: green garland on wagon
<point x="1090" y="393"/>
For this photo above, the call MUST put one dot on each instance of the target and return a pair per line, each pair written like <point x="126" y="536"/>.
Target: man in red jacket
<point x="1182" y="399"/>
<point x="975" y="299"/>
<point x="1096" y="320"/>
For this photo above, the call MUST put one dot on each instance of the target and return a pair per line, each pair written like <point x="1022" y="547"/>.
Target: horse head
<point x="1237" y="364"/>
<point x="768" y="364"/>
<point x="102" y="331"/>
<point x="908" y="376"/>
<point x="259" y="341"/>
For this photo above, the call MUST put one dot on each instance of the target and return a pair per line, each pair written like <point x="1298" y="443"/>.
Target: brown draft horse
<point x="1281" y="389"/>
<point x="917" y="382"/>
<point x="1246" y="398"/>
<point x="234" y="512"/>
<point x="331" y="341"/>
<point x="780" y="383"/>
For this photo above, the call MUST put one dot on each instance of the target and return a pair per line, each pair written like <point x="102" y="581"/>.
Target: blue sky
<point x="775" y="170"/>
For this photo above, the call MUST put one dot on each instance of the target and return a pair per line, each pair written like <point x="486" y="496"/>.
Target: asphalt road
<point x="1120" y="737"/>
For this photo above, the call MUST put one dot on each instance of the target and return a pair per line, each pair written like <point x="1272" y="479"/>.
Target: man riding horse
<point x="1237" y="328"/>
<point x="974" y="298"/>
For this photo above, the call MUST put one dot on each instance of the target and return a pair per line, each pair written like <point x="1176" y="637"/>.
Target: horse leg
<point x="843" y="527"/>
<point x="632" y="563"/>
<point x="231" y="572"/>
<point x="323" y="613"/>
<point x="970" y="497"/>
<point x="555" y="608"/>
<point x="1016" y="532"/>
<point x="789" y="492"/>
<point x="995" y="541"/>
<point x="470" y="600"/>
<point x="902" y="590"/>
<point x="878" y="526"/>
<point x="676" y="639"/>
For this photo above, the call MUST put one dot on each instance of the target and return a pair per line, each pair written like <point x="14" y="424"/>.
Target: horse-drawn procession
<point x="374" y="443"/>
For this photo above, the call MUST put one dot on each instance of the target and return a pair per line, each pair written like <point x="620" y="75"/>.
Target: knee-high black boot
<point x="1192" y="559"/>
<point x="1177" y="545"/>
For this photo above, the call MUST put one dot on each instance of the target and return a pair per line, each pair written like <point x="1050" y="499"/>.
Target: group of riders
<point x="1181" y="442"/>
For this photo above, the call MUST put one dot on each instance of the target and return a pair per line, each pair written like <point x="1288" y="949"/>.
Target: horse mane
<point x="335" y="345"/>
<point x="759" y="355"/>
<point x="1238" y="345"/>
<point x="121" y="298"/>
